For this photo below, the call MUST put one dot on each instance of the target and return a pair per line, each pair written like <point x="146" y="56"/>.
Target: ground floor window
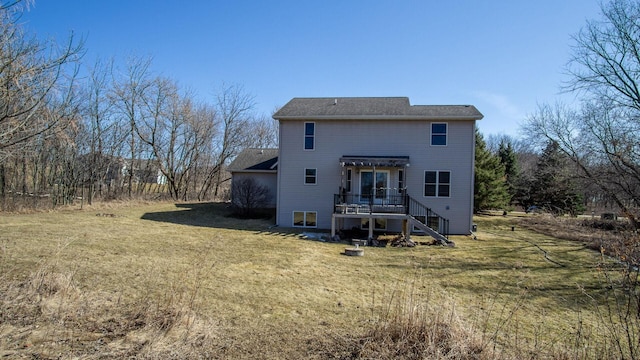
<point x="305" y="219"/>
<point x="378" y="224"/>
<point x="437" y="183"/>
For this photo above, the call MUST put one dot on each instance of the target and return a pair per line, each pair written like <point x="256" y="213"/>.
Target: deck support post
<point x="370" y="228"/>
<point x="406" y="228"/>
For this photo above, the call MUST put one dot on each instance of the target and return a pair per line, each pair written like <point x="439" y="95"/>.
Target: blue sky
<point x="503" y="56"/>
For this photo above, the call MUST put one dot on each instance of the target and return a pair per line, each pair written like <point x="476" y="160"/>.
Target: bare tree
<point x="38" y="104"/>
<point x="36" y="95"/>
<point x="264" y="133"/>
<point x="234" y="109"/>
<point x="175" y="131"/>
<point x="99" y="126"/>
<point x="605" y="60"/>
<point x="34" y="77"/>
<point x="129" y="92"/>
<point x="205" y="128"/>
<point x="603" y="140"/>
<point x="602" y="136"/>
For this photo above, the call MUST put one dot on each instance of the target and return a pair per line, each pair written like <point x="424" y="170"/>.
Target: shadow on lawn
<point x="212" y="215"/>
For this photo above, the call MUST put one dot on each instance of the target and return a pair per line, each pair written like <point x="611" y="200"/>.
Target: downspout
<point x="278" y="177"/>
<point x="473" y="176"/>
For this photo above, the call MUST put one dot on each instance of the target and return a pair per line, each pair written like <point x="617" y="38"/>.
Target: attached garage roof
<point x="255" y="160"/>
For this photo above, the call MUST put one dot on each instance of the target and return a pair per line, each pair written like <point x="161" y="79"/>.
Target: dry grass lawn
<point x="185" y="281"/>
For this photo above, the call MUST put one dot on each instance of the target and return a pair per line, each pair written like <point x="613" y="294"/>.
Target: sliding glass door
<point x="367" y="190"/>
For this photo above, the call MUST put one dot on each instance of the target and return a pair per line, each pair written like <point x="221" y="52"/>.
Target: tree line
<point x="114" y="132"/>
<point x="510" y="173"/>
<point x="586" y="155"/>
<point x="122" y="131"/>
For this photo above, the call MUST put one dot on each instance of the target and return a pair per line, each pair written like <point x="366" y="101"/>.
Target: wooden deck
<point x="395" y="206"/>
<point x="408" y="222"/>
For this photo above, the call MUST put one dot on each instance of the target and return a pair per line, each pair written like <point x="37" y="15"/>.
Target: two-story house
<point x="376" y="163"/>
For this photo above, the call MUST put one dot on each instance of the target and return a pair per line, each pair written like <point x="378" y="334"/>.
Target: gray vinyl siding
<point x="336" y="138"/>
<point x="268" y="179"/>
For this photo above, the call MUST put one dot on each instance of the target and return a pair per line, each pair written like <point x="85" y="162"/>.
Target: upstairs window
<point x="349" y="176"/>
<point x="439" y="134"/>
<point x="309" y="135"/>
<point x="310" y="176"/>
<point x="437" y="183"/>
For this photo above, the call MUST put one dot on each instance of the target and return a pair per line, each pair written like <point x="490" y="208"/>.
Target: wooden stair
<point x="443" y="240"/>
<point x="416" y="209"/>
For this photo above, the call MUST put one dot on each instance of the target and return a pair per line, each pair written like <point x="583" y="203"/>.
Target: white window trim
<point x="437" y="184"/>
<point x="304" y="134"/>
<point x="304" y="219"/>
<point x="446" y="133"/>
<point x="315" y="177"/>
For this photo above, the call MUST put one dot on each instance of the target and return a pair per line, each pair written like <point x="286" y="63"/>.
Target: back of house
<point x="360" y="160"/>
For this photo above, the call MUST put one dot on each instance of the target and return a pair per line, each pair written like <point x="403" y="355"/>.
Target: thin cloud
<point x="502" y="116"/>
<point x="502" y="103"/>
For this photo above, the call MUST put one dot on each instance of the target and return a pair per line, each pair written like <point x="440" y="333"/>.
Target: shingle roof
<point x="253" y="159"/>
<point x="384" y="108"/>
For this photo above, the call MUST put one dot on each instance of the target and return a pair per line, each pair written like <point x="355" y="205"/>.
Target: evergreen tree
<point x="508" y="159"/>
<point x="553" y="187"/>
<point x="490" y="190"/>
<point x="523" y="195"/>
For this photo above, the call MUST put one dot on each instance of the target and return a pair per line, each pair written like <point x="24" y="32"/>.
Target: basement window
<point x="305" y="219"/>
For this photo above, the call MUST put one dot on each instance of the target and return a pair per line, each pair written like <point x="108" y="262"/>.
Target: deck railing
<point x="428" y="216"/>
<point x="369" y="203"/>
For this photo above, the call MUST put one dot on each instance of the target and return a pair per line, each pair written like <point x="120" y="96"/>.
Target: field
<point x="188" y="281"/>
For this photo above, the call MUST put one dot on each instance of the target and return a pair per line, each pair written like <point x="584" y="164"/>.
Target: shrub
<point x="248" y="197"/>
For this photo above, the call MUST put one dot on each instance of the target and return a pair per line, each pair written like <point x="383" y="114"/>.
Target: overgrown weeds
<point x="616" y="238"/>
<point x="617" y="303"/>
<point x="618" y="310"/>
<point x="413" y="325"/>
<point x="49" y="316"/>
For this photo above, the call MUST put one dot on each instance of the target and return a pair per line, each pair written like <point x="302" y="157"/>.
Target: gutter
<point x="379" y="117"/>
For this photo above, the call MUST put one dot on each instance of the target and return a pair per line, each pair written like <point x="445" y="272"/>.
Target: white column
<point x="370" y="228"/>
